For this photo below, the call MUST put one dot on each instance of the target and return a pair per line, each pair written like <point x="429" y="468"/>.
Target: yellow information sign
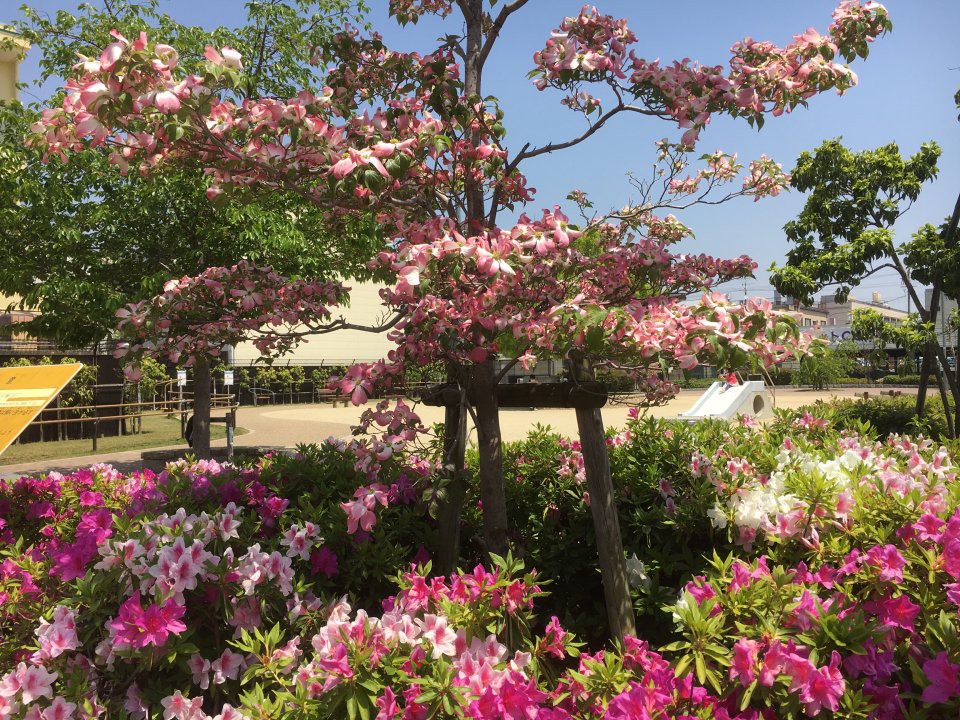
<point x="25" y="391"/>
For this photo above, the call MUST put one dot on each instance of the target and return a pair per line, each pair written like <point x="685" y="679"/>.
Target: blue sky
<point x="904" y="96"/>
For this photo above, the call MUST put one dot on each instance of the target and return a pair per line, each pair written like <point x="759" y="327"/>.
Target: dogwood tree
<point x="413" y="139"/>
<point x="191" y="321"/>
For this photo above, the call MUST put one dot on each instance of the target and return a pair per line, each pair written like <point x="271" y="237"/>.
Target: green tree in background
<point x="844" y="234"/>
<point x="826" y="365"/>
<point x="869" y="326"/>
<point x="90" y="240"/>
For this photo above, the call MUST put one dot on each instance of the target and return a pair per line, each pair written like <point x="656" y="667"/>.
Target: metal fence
<point x="172" y="401"/>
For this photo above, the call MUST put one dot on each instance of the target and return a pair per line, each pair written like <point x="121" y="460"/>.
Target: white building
<point x="946" y="332"/>
<point x="343" y="347"/>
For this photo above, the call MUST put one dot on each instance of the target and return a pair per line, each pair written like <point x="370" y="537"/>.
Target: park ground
<point x="286" y="426"/>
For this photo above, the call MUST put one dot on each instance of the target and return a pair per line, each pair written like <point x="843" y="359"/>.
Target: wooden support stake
<point x="606" y="523"/>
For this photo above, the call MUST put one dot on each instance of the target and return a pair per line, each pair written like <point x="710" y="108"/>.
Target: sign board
<point x="835" y="334"/>
<point x="181" y="378"/>
<point x="25" y="392"/>
<point x="228" y="377"/>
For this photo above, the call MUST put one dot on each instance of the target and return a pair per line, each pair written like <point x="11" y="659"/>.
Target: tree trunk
<point x="201" y="408"/>
<point x="925" y="366"/>
<point x="483" y="386"/>
<point x="451" y="506"/>
<point x="606" y="523"/>
<point x="482" y="380"/>
<point x="932" y="354"/>
<point x="943" y="374"/>
<point x="956" y="380"/>
<point x="933" y="349"/>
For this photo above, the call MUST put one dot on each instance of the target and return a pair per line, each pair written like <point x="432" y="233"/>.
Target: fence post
<point x="96" y="419"/>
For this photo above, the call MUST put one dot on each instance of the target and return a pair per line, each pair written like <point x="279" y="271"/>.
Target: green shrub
<point x="697" y="383"/>
<point x="884" y="415"/>
<point x="901" y="380"/>
<point x="617" y="382"/>
<point x="552" y="526"/>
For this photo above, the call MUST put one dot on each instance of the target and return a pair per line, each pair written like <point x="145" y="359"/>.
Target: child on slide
<point x="729" y="380"/>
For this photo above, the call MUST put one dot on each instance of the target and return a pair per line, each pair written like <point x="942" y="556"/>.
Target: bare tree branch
<point x="505" y="12"/>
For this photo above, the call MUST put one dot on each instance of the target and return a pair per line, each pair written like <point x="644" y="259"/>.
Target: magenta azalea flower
<point x="324" y="561"/>
<point x="138" y="628"/>
<point x="889" y="561"/>
<point x="944" y="677"/>
<point x="823" y="687"/>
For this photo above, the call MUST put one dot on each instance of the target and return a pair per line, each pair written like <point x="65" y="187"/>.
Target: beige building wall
<point x="344" y="346"/>
<point x="839" y="313"/>
<point x="12" y="50"/>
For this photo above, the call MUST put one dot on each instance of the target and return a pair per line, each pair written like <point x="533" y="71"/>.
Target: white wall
<point x="344" y="346"/>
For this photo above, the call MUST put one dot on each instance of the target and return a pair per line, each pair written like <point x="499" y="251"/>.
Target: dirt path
<point x="290" y="425"/>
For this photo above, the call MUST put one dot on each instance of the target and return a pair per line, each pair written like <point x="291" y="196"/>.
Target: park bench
<point x="262" y="395"/>
<point x="331" y="396"/>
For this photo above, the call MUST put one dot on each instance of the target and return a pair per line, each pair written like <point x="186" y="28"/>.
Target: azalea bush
<point x="846" y="599"/>
<point x="884" y="415"/>
<point x="782" y="571"/>
<point x="662" y="513"/>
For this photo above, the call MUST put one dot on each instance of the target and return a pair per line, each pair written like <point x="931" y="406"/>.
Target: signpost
<point x="231" y="414"/>
<point x="181" y="382"/>
<point x="25" y="392"/>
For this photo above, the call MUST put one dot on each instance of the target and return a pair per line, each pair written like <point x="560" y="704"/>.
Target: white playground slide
<point x="748" y="398"/>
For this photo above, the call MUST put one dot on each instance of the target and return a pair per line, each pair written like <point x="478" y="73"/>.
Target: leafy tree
<point x="151" y="377"/>
<point x="844" y="234"/>
<point x="869" y="326"/>
<point x="91" y="240"/>
<point x="826" y="365"/>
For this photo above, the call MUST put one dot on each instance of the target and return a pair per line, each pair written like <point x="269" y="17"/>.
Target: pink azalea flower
<point x="554" y="637"/>
<point x="59" y="709"/>
<point x="898" y="612"/>
<point x="745" y="653"/>
<point x="358" y="516"/>
<point x="228" y="712"/>
<point x="200" y="670"/>
<point x="34" y="682"/>
<point x="441" y="637"/>
<point x="929" y="528"/>
<point x="59" y="636"/>
<point x="387" y="703"/>
<point x="823" y="687"/>
<point x="889" y="561"/>
<point x="226" y="667"/>
<point x="178" y="707"/>
<point x="138" y="628"/>
<point x="8" y="707"/>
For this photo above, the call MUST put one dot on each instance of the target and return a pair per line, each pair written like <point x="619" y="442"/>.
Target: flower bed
<point x="824" y="583"/>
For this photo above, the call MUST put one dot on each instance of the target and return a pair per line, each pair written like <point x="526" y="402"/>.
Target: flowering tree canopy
<point x="197" y="316"/>
<point x="388" y="125"/>
<point x="90" y="241"/>
<point x="413" y="140"/>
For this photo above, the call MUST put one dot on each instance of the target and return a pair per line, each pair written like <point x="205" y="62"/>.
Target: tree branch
<point x="551" y="147"/>
<point x="505" y="12"/>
